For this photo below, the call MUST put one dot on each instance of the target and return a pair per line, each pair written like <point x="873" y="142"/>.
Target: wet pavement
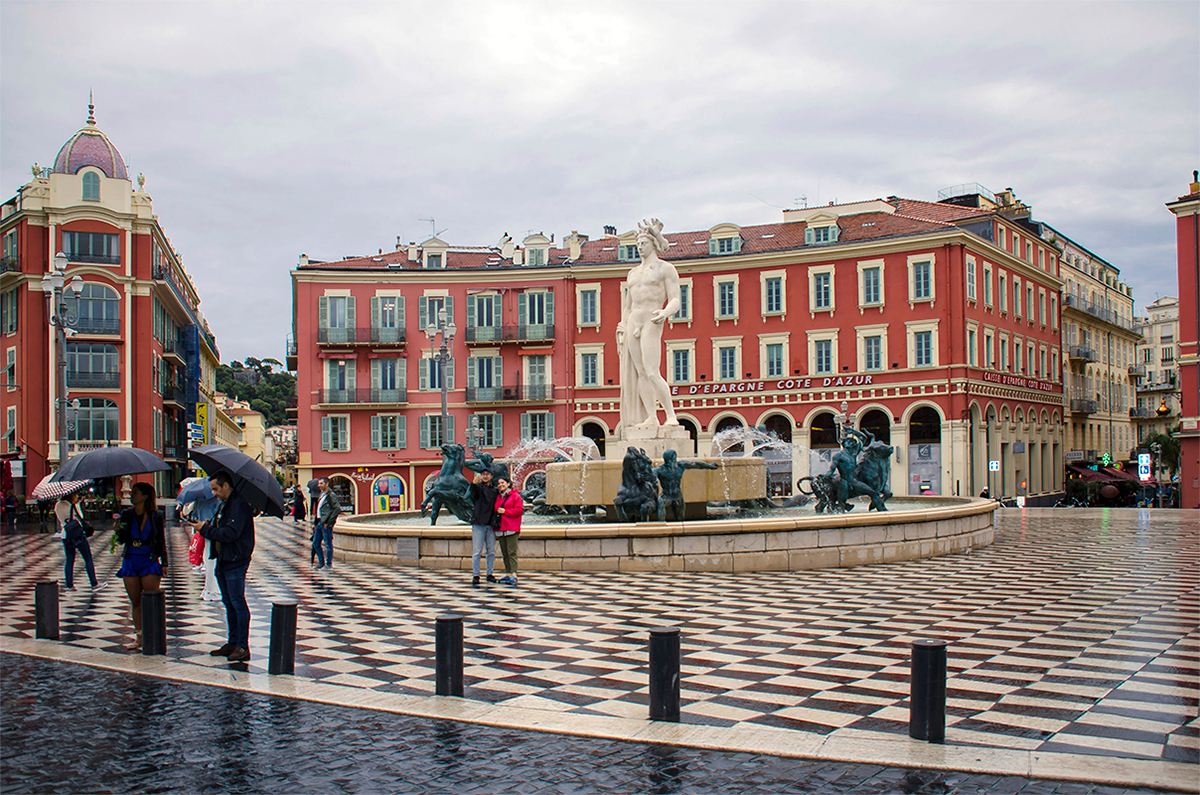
<point x="69" y="728"/>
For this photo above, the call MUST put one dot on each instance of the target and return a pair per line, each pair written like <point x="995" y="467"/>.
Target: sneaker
<point x="475" y="580"/>
<point x="509" y="580"/>
<point x="239" y="654"/>
<point x="100" y="586"/>
<point x="224" y="651"/>
<point x="69" y="588"/>
<point x="491" y="578"/>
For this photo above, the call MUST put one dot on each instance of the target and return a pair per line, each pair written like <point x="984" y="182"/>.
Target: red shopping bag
<point x="196" y="550"/>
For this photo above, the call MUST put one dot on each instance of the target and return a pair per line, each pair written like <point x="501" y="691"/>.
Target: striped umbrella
<point x="53" y="491"/>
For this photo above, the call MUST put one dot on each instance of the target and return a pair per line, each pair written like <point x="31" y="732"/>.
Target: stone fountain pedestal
<point x="655" y="441"/>
<point x="596" y="482"/>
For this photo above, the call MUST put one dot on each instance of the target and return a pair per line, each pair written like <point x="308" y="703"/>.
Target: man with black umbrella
<point x="232" y="530"/>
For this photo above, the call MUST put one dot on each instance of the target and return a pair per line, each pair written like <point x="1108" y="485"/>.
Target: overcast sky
<point x="274" y="129"/>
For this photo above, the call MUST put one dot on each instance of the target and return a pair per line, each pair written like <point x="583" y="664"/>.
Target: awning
<point x="1089" y="475"/>
<point x="1119" y="474"/>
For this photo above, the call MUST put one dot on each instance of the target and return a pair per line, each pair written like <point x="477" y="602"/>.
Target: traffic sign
<point x="1143" y="466"/>
<point x="993" y="466"/>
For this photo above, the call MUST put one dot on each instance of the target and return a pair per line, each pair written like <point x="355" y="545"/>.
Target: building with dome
<point x="141" y="360"/>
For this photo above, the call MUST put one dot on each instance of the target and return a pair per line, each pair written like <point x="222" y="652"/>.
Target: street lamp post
<point x="474" y="436"/>
<point x="447" y="330"/>
<point x="62" y="312"/>
<point x="1156" y="449"/>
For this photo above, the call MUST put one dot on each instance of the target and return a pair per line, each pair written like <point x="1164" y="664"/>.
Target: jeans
<point x="483" y="536"/>
<point x="323" y="543"/>
<point x="85" y="549"/>
<point x="232" y="582"/>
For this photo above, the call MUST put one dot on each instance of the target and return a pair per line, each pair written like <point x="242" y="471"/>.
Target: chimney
<point x="575" y="242"/>
<point x="610" y="231"/>
<point x="507" y="246"/>
<point x="517" y="256"/>
<point x="412" y="251"/>
<point x="303" y="260"/>
<point x="399" y="245"/>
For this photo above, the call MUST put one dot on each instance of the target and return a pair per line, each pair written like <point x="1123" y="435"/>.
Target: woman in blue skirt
<point x="143" y="533"/>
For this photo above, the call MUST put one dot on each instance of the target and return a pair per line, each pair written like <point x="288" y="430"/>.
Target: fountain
<point x="755" y="533"/>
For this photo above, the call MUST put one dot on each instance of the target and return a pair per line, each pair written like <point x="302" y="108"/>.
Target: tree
<point x="1170" y="448"/>
<point x="271" y="395"/>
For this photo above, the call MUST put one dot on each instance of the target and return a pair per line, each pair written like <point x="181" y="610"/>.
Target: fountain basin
<point x="938" y="526"/>
<point x="596" y="483"/>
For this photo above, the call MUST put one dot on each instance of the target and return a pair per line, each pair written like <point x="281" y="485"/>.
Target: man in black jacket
<point x="232" y="531"/>
<point x="483" y="534"/>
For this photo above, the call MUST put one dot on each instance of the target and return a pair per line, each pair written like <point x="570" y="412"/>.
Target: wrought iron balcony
<point x="362" y="396"/>
<point x="1137" y="369"/>
<point x="82" y="380"/>
<point x="360" y="336"/>
<point x="172" y="394"/>
<point x="98" y="325"/>
<point x="101" y="259"/>
<point x="1084" y="352"/>
<point x="1141" y="414"/>
<point x="521" y="333"/>
<point x="535" y="392"/>
<point x="492" y="394"/>
<point x="1079" y="406"/>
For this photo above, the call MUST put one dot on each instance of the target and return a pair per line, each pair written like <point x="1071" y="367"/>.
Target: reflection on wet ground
<point x="69" y="728"/>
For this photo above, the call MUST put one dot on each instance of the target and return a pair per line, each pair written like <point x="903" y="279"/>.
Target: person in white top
<point x="74" y="538"/>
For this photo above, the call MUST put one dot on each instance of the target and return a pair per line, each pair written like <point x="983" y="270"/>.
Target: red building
<point x="936" y="324"/>
<point x="137" y="339"/>
<point x="1187" y="242"/>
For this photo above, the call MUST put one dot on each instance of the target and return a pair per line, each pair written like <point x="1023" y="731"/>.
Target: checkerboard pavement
<point x="1076" y="632"/>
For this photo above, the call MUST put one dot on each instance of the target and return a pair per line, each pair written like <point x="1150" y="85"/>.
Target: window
<point x="335" y="433"/>
<point x="588" y="372"/>
<point x="8" y="312"/>
<point x="535" y="257"/>
<point x="535" y="309"/>
<point x="388" y="313"/>
<point x="99" y="310"/>
<point x="588" y="308"/>
<point x="1042" y="368"/>
<point x="726" y="302"/>
<point x="10" y="250"/>
<point x="490" y="430"/>
<point x="91" y="186"/>
<point x="1017" y="308"/>
<point x="1029" y="301"/>
<point x="335" y="319"/>
<point x="92" y="247"/>
<point x="1016" y="349"/>
<point x="823" y="350"/>
<point x="1168" y="355"/>
<point x="1003" y="353"/>
<point x="388" y="432"/>
<point x="728" y="363"/>
<point x="537" y="425"/>
<point x="724" y="245"/>
<point x="341" y="380"/>
<point x="535" y="315"/>
<point x="628" y="253"/>
<point x="92" y="365"/>
<point x="1054" y="311"/>
<point x="1042" y="306"/>
<point x="774" y="295"/>
<point x="1028" y="251"/>
<point x="870" y="286"/>
<point x="970" y="279"/>
<point x="774" y="360"/>
<point x="681" y="366"/>
<point x="987" y="286"/>
<point x="429" y="307"/>
<point x="1003" y="293"/>
<point x="971" y="347"/>
<point x="10" y="368"/>
<point x="685" y="309"/>
<point x="823" y="296"/>
<point x="820" y="234"/>
<point x="433" y="435"/>
<point x="10" y="430"/>
<point x="873" y="353"/>
<point x="988" y="361"/>
<point x="387" y="380"/>
<point x="433" y="261"/>
<point x="923" y="342"/>
<point x="922" y="289"/>
<point x="433" y="374"/>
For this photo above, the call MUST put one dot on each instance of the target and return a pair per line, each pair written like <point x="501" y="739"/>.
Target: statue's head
<point x="650" y="236"/>
<point x="669" y="457"/>
<point x="853" y="444"/>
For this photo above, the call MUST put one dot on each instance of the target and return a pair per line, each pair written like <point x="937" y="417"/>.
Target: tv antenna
<point x="433" y="227"/>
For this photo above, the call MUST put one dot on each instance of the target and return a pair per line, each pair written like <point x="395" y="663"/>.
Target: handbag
<point x="496" y="517"/>
<point x="196" y="550"/>
<point x="88" y="529"/>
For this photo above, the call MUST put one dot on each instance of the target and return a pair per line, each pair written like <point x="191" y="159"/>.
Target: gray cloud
<point x="266" y="130"/>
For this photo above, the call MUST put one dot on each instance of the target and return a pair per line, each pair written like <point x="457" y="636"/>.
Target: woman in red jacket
<point x="508" y="509"/>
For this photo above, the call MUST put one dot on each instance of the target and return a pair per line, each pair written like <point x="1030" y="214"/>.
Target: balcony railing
<point x="364" y="396"/>
<point x="174" y="395"/>
<point x="1095" y="309"/>
<point x="98" y="325"/>
<point x="102" y="259"/>
<point x="1137" y="369"/>
<point x="492" y="394"/>
<point x="1084" y="406"/>
<point x="9" y="263"/>
<point x="1142" y="414"/>
<point x="520" y="333"/>
<point x="292" y="350"/>
<point x="360" y="336"/>
<point x="80" y="380"/>
<point x="535" y="392"/>
<point x="1161" y="386"/>
<point x="1083" y="352"/>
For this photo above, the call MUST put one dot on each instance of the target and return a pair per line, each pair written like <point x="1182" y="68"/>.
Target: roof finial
<point x="91" y="110"/>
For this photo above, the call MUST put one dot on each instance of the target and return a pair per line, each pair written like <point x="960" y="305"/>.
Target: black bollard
<point x="45" y="610"/>
<point x="154" y="622"/>
<point x="664" y="674"/>
<point x="449" y="643"/>
<point x="927" y="697"/>
<point x="281" y="658"/>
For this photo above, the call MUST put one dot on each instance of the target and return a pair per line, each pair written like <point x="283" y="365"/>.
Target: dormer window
<point x="628" y="253"/>
<point x="725" y="245"/>
<point x="91" y="186"/>
<point x="433" y="261"/>
<point x="817" y="235"/>
<point x="536" y="258"/>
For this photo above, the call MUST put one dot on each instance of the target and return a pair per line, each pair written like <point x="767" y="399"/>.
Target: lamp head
<point x="60" y="261"/>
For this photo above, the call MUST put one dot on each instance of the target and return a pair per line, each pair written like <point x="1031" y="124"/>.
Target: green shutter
<point x="524" y="425"/>
<point x="449" y="430"/>
<point x="423" y="313"/>
<point x="471" y="365"/>
<point x="402" y="374"/>
<point x="374" y="373"/>
<point x="424" y="422"/>
<point x="470" y="311"/>
<point x="449" y="309"/>
<point x="550" y="425"/>
<point x="402" y="431"/>
<point x="549" y="308"/>
<point x="737" y="244"/>
<point x="498" y="430"/>
<point x="375" y="432"/>
<point x="325" y="433"/>
<point x="449" y="374"/>
<point x="351" y="376"/>
<point x="350" y="317"/>
<point x="400" y="312"/>
<point x="374" y="311"/>
<point x="522" y="309"/>
<point x="322" y="314"/>
<point x="712" y="246"/>
<point x="498" y="374"/>
<point x="423" y="373"/>
<point x="808" y="236"/>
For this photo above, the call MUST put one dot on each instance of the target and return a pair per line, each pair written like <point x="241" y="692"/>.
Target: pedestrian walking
<point x="231" y="532"/>
<point x="299" y="509"/>
<point x="326" y="514"/>
<point x="143" y="532"/>
<point x="74" y="538"/>
<point x="483" y="528"/>
<point x="10" y="508"/>
<point x="509" y="507"/>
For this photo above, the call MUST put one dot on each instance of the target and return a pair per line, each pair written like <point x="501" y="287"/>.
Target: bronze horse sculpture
<point x="449" y="488"/>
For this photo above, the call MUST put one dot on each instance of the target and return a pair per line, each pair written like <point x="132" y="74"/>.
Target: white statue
<point x="651" y="296"/>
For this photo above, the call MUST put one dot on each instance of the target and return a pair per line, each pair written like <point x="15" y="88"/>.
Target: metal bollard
<point x="449" y="644"/>
<point x="927" y="697"/>
<point x="664" y="674"/>
<point x="281" y="658"/>
<point x="45" y="610"/>
<point x="154" y="622"/>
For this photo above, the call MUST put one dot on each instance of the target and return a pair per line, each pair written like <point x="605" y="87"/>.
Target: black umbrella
<point x="250" y="478"/>
<point x="109" y="462"/>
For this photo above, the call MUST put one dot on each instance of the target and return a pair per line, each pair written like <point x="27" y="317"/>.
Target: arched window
<point x="925" y="426"/>
<point x="727" y="445"/>
<point x="877" y="424"/>
<point x="344" y="489"/>
<point x="91" y="186"/>
<point x="92" y="365"/>
<point x="99" y="310"/>
<point x="594" y="432"/>
<point x="96" y="420"/>
<point x="824" y="432"/>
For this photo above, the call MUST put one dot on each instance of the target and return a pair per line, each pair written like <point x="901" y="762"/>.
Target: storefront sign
<point x="1023" y="383"/>
<point x="783" y="385"/>
<point x="1074" y="455"/>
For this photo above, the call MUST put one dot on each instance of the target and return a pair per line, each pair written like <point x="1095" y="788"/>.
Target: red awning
<point x="1088" y="474"/>
<point x="1119" y="474"/>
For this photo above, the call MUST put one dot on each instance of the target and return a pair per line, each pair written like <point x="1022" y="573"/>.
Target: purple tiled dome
<point x="90" y="147"/>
